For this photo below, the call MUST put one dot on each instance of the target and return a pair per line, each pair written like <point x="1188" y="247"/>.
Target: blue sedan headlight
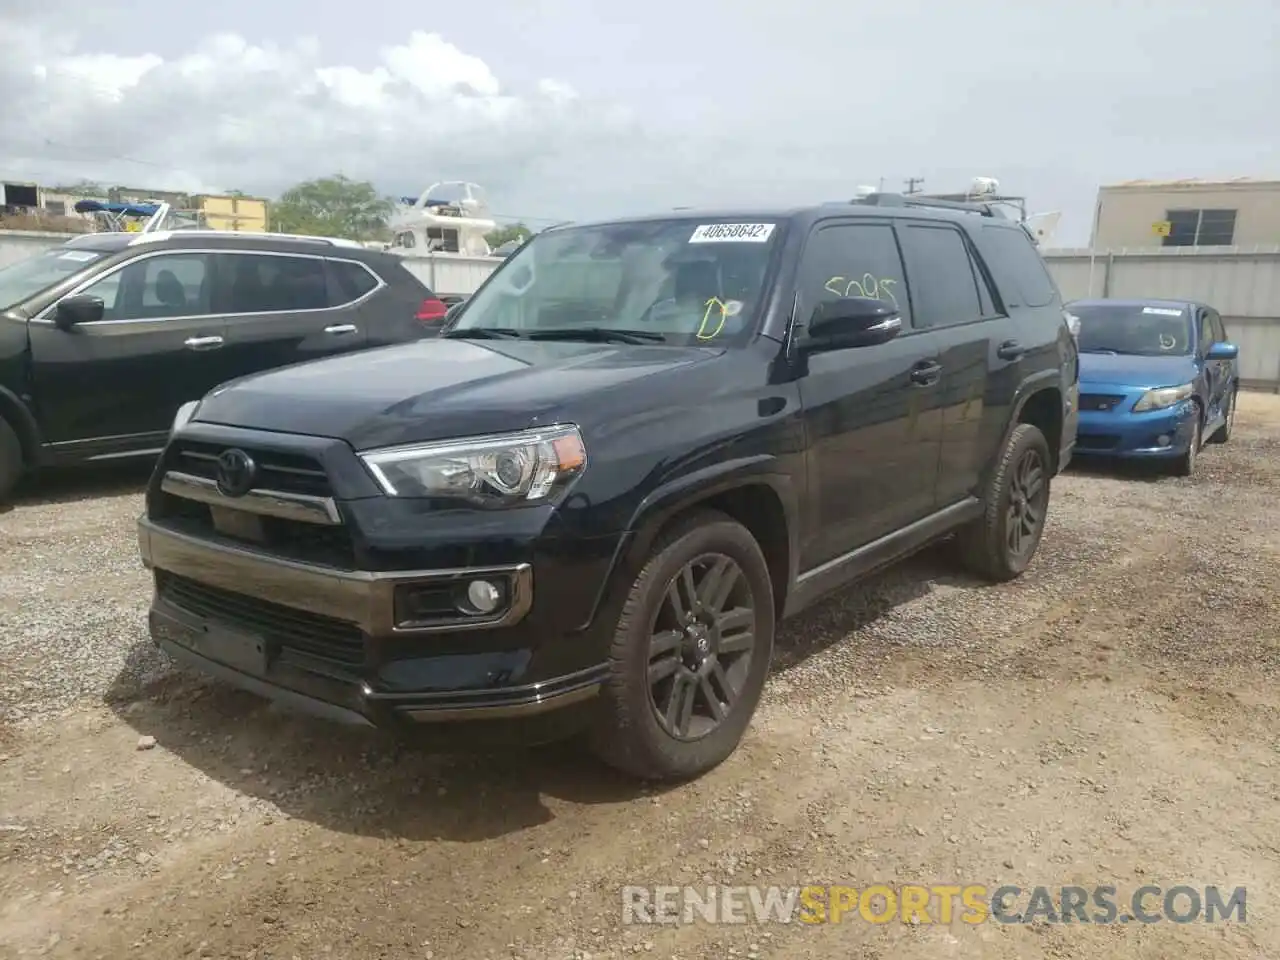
<point x="1163" y="397"/>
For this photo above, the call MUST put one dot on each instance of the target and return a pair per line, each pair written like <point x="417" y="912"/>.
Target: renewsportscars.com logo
<point x="933" y="903"/>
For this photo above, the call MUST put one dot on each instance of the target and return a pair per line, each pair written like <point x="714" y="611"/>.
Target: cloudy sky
<point x="569" y="108"/>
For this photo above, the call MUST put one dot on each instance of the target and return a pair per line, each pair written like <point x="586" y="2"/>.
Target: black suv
<point x="102" y="339"/>
<point x="586" y="506"/>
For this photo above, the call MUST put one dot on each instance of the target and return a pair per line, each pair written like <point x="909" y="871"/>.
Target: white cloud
<point x="258" y="117"/>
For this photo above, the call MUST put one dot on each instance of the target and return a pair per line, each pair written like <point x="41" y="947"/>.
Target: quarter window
<point x="351" y="281"/>
<point x="1019" y="270"/>
<point x="944" y="283"/>
<point x="854" y="260"/>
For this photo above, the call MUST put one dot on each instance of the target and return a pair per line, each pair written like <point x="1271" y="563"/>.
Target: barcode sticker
<point x="733" y="233"/>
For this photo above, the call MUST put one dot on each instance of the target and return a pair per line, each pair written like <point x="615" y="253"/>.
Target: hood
<point x="1123" y="370"/>
<point x="438" y="388"/>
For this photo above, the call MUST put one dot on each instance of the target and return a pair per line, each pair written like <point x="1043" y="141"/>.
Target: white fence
<point x="1243" y="284"/>
<point x="20" y="244"/>
<point x="446" y="274"/>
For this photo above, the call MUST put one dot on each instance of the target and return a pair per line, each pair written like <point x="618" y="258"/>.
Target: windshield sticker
<point x="732" y="233"/>
<point x="81" y="256"/>
<point x="1162" y="311"/>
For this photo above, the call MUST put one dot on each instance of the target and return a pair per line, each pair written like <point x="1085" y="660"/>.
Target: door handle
<point x="340" y="328"/>
<point x="203" y="343"/>
<point x="1010" y="350"/>
<point x="925" y="372"/>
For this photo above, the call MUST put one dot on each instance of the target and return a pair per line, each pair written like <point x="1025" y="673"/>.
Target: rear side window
<point x="350" y="280"/>
<point x="1019" y="271"/>
<point x="261" y="283"/>
<point x="944" y="283"/>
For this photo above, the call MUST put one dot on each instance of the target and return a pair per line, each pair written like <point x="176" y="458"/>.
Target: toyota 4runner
<point x="642" y="443"/>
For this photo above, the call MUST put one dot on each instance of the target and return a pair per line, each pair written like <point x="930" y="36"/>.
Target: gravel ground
<point x="1110" y="718"/>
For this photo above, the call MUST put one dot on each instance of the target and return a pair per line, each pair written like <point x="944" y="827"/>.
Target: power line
<point x="911" y="184"/>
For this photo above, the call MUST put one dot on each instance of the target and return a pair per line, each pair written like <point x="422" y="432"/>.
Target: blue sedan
<point x="1158" y="379"/>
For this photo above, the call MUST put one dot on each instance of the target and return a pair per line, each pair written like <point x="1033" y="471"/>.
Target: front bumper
<point x="1121" y="433"/>
<point x="325" y="641"/>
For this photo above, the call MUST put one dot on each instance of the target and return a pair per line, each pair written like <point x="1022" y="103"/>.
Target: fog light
<point x="483" y="596"/>
<point x="1163" y="440"/>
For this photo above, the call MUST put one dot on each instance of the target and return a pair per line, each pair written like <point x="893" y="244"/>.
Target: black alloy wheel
<point x="1028" y="504"/>
<point x="1000" y="544"/>
<point x="700" y="646"/>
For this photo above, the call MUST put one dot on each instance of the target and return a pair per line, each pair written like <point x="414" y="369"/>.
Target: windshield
<point x="676" y="281"/>
<point x="1148" y="331"/>
<point x="24" y="279"/>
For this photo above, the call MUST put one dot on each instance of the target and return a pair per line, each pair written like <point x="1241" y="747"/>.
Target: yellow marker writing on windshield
<point x="712" y="304"/>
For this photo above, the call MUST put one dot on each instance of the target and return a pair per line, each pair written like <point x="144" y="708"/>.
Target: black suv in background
<point x="102" y="339"/>
<point x="586" y="506"/>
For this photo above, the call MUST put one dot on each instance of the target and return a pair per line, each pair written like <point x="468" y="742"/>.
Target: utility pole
<point x="911" y="183"/>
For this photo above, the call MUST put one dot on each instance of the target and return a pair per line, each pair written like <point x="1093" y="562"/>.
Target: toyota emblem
<point x="236" y="473"/>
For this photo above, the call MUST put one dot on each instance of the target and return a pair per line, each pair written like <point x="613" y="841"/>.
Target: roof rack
<point x="224" y="234"/>
<point x="913" y="200"/>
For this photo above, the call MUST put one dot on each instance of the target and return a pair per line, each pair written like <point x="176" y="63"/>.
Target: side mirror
<point x="852" y="322"/>
<point x="82" y="308"/>
<point x="1223" y="351"/>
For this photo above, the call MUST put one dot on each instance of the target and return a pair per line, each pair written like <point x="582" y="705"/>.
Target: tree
<point x="512" y="231"/>
<point x="332" y="207"/>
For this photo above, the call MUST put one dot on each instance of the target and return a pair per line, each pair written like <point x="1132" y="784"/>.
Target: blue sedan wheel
<point x="1187" y="462"/>
<point x="1223" y="433"/>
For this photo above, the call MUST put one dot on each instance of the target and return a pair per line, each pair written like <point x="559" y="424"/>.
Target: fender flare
<point x="1045" y="379"/>
<point x="23" y="421"/>
<point x="681" y="492"/>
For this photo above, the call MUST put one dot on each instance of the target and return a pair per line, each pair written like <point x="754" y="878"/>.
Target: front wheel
<point x="1185" y="465"/>
<point x="11" y="465"/>
<point x="1223" y="433"/>
<point x="999" y="545"/>
<point x="690" y="653"/>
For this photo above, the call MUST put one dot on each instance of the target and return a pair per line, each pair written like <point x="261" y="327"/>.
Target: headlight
<point x="1162" y="397"/>
<point x="490" y="471"/>
<point x="184" y="415"/>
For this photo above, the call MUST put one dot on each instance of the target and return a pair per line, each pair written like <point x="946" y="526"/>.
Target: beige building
<point x="1188" y="213"/>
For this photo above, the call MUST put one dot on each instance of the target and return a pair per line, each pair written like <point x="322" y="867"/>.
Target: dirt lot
<point x="1111" y="718"/>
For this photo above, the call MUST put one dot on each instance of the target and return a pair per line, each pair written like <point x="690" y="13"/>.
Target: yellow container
<point x="239" y="214"/>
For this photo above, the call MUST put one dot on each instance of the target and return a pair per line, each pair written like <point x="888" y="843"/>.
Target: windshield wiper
<point x="483" y="333"/>
<point x="598" y="334"/>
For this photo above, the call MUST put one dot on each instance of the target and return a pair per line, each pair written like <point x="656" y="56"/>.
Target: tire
<point x="11" y="463"/>
<point x="1223" y="433"/>
<point x="985" y="544"/>
<point x="1185" y="465"/>
<point x="653" y="665"/>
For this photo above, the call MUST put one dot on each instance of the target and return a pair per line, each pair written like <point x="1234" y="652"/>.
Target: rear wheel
<point x="10" y="460"/>
<point x="690" y="653"/>
<point x="1000" y="544"/>
<point x="1185" y="465"/>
